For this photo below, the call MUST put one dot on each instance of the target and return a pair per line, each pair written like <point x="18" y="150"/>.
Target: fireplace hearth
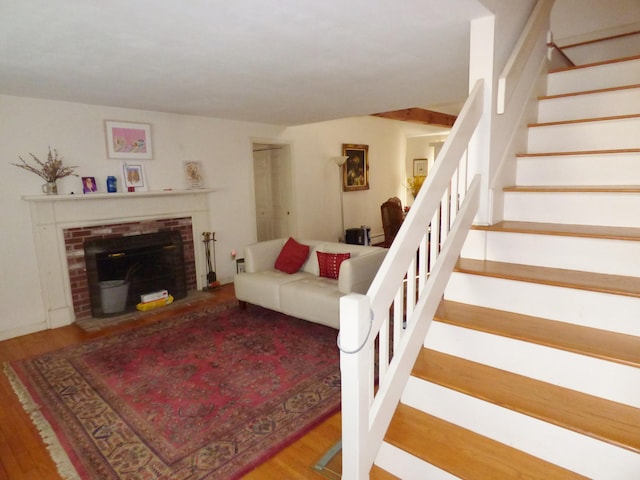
<point x="147" y="262"/>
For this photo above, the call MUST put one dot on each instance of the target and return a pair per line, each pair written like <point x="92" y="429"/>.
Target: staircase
<point x="531" y="368"/>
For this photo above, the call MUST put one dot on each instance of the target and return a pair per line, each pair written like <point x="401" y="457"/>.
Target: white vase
<point x="50" y="188"/>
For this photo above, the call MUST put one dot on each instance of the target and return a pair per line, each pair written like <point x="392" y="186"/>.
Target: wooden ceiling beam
<point x="420" y="115"/>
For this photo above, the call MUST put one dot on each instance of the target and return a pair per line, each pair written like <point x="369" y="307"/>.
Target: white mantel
<point x="51" y="214"/>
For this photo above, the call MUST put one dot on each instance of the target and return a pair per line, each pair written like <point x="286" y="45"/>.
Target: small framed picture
<point x="134" y="177"/>
<point x="355" y="171"/>
<point x="193" y="175"/>
<point x="420" y="167"/>
<point x="128" y="140"/>
<point x="89" y="185"/>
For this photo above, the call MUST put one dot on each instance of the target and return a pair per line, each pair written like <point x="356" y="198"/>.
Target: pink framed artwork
<point x="128" y="140"/>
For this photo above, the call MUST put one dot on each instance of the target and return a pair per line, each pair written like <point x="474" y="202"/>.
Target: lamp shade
<point x="339" y="160"/>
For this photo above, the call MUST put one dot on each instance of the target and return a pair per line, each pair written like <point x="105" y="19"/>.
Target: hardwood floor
<point x="23" y="455"/>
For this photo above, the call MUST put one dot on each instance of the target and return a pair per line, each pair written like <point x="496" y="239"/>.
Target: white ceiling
<point x="279" y="61"/>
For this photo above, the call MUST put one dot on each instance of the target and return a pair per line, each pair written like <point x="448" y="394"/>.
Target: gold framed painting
<point x="355" y="171"/>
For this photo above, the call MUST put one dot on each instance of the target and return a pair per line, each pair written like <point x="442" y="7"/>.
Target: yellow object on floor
<point x="143" y="307"/>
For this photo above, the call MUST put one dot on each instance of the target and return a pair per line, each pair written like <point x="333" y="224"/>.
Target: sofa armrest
<point x="357" y="273"/>
<point x="262" y="255"/>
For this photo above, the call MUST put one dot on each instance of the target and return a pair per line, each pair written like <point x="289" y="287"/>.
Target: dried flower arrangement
<point x="414" y="184"/>
<point x="51" y="170"/>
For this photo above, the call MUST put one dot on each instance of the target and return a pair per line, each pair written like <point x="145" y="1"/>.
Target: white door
<point x="272" y="180"/>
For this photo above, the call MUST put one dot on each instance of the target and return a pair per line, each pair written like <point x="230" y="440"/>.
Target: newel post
<point x="355" y="365"/>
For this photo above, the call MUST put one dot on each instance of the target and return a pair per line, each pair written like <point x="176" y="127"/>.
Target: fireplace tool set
<point x="209" y="239"/>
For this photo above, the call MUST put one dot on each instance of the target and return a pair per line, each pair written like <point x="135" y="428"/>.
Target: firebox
<point x="146" y="263"/>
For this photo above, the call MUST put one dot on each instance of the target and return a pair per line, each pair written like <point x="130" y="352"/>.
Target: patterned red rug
<point x="203" y="396"/>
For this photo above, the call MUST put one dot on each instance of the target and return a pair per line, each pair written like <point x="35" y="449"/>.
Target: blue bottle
<point x="112" y="184"/>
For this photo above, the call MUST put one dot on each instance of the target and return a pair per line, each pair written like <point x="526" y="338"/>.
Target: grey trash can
<point x="113" y="295"/>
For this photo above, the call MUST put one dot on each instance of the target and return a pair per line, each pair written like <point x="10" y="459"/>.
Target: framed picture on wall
<point x="128" y="140"/>
<point x="420" y="167"/>
<point x="355" y="171"/>
<point x="134" y="177"/>
<point x="193" y="175"/>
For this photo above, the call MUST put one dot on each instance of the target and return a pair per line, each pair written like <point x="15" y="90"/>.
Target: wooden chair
<point x="392" y="217"/>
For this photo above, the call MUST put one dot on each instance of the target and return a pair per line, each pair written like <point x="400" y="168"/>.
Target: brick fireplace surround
<point x="61" y="223"/>
<point x="74" y="239"/>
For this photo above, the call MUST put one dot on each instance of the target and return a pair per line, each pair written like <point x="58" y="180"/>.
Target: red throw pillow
<point x="292" y="256"/>
<point x="329" y="263"/>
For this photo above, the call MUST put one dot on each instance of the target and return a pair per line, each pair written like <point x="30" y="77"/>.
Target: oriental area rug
<point x="202" y="396"/>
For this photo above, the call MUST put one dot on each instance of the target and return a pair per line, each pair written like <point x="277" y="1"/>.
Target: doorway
<point x="272" y="185"/>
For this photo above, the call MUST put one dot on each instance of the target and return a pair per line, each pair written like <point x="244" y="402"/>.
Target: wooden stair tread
<point x="595" y="64"/>
<point x="580" y="152"/>
<point x="378" y="473"/>
<point x="589" y="92"/>
<point x="574" y="188"/>
<point x="592" y="342"/>
<point x="603" y="419"/>
<point x="596" y="282"/>
<point x="559" y="229"/>
<point x="464" y="453"/>
<point x="583" y="120"/>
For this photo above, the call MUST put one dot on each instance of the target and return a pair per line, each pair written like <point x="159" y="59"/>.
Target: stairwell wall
<point x="491" y="43"/>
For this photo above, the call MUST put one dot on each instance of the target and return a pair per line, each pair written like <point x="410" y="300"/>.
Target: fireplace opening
<point x="147" y="262"/>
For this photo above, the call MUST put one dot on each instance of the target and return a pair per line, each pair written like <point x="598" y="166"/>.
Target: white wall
<point x="575" y="21"/>
<point x="77" y="132"/>
<point x="420" y="147"/>
<point x="316" y="183"/>
<point x="224" y="147"/>
<point x="492" y="42"/>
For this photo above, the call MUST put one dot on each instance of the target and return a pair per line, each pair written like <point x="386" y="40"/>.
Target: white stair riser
<point x="600" y="169"/>
<point x="604" y="76"/>
<point x="617" y="257"/>
<point x="585" y="136"/>
<point x="582" y="208"/>
<point x="404" y="465"/>
<point x="600" y="378"/>
<point x="595" y="105"/>
<point x="603" y="311"/>
<point x="570" y="450"/>
<point x="626" y="46"/>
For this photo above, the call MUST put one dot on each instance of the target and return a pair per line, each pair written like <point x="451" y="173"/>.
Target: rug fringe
<point x="65" y="468"/>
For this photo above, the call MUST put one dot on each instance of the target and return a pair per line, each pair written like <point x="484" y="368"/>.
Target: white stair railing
<point x="381" y="332"/>
<point x="531" y="44"/>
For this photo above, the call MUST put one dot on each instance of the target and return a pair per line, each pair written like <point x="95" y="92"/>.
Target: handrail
<point x="529" y="39"/>
<point x="381" y="332"/>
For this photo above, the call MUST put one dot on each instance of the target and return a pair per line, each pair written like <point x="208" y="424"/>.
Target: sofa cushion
<point x="292" y="256"/>
<point x="329" y="263"/>
<point x="263" y="288"/>
<point x="312" y="298"/>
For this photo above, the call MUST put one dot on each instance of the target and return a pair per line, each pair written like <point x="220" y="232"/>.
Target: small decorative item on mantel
<point x="51" y="170"/>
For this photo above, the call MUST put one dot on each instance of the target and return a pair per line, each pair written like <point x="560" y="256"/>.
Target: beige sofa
<point x="304" y="294"/>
